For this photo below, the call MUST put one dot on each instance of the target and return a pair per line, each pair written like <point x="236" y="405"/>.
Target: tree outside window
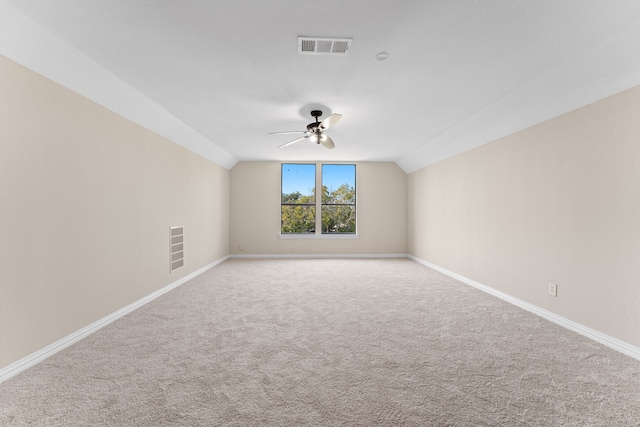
<point x="338" y="199"/>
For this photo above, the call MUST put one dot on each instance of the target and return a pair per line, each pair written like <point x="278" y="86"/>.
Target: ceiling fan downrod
<point x="316" y="114"/>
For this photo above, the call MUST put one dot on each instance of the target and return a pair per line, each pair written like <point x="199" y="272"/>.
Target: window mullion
<point x="318" y="198"/>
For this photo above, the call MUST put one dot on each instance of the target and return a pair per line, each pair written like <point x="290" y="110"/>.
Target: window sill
<point x="319" y="236"/>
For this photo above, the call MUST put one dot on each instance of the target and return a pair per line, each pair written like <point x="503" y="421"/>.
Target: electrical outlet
<point x="241" y="247"/>
<point x="553" y="289"/>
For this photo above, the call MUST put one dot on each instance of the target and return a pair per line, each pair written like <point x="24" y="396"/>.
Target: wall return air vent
<point x="176" y="245"/>
<point x="323" y="46"/>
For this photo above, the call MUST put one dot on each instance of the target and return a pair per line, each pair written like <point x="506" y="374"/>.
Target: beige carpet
<point x="384" y="342"/>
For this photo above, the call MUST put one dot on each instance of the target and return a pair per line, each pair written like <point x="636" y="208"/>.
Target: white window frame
<point x="318" y="233"/>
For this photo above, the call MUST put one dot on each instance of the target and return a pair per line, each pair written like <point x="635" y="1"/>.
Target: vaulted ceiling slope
<point x="218" y="76"/>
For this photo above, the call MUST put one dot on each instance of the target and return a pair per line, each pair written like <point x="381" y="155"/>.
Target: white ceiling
<point x="218" y="76"/>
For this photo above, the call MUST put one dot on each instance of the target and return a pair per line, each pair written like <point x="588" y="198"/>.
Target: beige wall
<point x="559" y="202"/>
<point x="87" y="201"/>
<point x="381" y="213"/>
<point x="88" y="198"/>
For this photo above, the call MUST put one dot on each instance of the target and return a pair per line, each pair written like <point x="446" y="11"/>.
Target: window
<point x="338" y="199"/>
<point x="300" y="202"/>
<point x="298" y="210"/>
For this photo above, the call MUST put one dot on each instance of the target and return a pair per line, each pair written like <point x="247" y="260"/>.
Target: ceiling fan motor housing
<point x="314" y="127"/>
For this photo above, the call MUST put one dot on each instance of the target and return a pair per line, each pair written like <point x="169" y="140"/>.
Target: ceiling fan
<point x="315" y="130"/>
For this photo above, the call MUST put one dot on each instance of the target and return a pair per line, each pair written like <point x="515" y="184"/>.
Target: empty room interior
<point x="320" y="213"/>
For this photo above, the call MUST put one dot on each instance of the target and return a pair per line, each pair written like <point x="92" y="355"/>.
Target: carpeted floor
<point x="358" y="342"/>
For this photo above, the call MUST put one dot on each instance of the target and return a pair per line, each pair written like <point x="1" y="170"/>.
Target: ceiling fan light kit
<point x="315" y="130"/>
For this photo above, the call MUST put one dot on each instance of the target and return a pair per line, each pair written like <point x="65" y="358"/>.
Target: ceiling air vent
<point x="323" y="46"/>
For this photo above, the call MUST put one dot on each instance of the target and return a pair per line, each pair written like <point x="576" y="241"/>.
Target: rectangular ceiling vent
<point x="323" y="46"/>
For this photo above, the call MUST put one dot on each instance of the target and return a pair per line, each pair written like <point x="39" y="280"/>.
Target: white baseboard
<point x="607" y="340"/>
<point x="319" y="256"/>
<point x="38" y="356"/>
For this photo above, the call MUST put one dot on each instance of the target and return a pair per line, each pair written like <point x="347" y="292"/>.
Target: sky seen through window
<point x="301" y="177"/>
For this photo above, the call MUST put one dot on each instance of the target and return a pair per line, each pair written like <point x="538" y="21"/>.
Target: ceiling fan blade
<point x="287" y="131"/>
<point x="327" y="142"/>
<point x="294" y="141"/>
<point x="330" y="121"/>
